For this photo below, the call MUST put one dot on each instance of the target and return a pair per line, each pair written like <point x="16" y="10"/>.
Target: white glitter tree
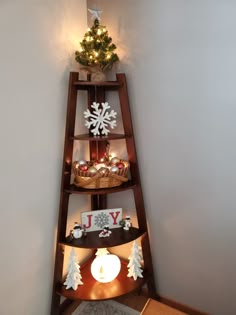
<point x="74" y="277"/>
<point x="134" y="265"/>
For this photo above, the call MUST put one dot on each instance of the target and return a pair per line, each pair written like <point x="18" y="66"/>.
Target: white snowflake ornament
<point x="100" y="119"/>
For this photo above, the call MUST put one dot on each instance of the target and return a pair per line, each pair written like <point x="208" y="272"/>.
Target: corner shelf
<point x="111" y="136"/>
<point x="93" y="290"/>
<point x="92" y="240"/>
<point x="86" y="85"/>
<point x="102" y="191"/>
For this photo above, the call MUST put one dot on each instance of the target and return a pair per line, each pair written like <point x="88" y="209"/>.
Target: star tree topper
<point x="96" y="14"/>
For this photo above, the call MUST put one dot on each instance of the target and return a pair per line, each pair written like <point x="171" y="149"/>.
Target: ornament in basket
<point x="100" y="174"/>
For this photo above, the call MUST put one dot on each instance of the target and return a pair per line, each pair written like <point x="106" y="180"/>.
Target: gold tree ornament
<point x="97" y="52"/>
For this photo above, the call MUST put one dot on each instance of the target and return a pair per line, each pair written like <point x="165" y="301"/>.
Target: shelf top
<point x="111" y="136"/>
<point x="117" y="237"/>
<point x="107" y="85"/>
<point x="93" y="290"/>
<point x="101" y="191"/>
<point x="97" y="83"/>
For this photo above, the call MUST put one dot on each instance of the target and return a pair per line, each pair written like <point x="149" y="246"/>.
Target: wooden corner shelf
<point x="93" y="290"/>
<point x="92" y="240"/>
<point x="98" y="198"/>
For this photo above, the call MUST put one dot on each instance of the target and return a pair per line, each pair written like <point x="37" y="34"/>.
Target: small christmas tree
<point x="74" y="277"/>
<point x="134" y="265"/>
<point x="97" y="49"/>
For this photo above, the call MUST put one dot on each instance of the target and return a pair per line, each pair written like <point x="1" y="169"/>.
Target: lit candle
<point x="105" y="268"/>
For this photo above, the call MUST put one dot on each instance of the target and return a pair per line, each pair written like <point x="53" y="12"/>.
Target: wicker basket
<point x="104" y="178"/>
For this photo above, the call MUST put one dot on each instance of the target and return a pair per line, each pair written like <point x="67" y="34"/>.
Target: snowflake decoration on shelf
<point x="100" y="119"/>
<point x="101" y="220"/>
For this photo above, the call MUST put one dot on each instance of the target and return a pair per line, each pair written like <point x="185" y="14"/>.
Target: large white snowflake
<point x="100" y="119"/>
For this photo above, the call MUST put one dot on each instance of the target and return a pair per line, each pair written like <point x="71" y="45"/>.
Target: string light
<point x="97" y="48"/>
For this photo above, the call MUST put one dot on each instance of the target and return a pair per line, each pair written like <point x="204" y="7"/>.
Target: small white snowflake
<point x="101" y="220"/>
<point x="100" y="119"/>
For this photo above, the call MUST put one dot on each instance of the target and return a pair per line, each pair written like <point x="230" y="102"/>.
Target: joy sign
<point x="97" y="219"/>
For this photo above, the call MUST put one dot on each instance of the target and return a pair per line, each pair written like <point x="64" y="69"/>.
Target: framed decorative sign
<point x="97" y="219"/>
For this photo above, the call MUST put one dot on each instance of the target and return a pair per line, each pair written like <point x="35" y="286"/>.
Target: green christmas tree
<point x="97" y="49"/>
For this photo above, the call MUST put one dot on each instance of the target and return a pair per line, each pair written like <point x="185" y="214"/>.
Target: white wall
<point x="179" y="57"/>
<point x="38" y="40"/>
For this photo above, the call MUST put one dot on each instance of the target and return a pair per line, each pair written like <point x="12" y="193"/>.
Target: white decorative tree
<point x="74" y="277"/>
<point x="134" y="265"/>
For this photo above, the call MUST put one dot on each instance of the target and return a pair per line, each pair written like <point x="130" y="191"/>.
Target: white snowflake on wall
<point x="100" y="119"/>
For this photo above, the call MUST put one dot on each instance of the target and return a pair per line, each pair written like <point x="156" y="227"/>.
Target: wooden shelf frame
<point x="96" y="91"/>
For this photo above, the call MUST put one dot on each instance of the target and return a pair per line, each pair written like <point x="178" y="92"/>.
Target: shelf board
<point x="117" y="237"/>
<point x="101" y="191"/>
<point x="86" y="85"/>
<point x="111" y="136"/>
<point x="93" y="290"/>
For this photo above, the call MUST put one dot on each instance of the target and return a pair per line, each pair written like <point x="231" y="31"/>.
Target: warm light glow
<point x="108" y="56"/>
<point x="96" y="53"/>
<point x="104" y="29"/>
<point x="88" y="38"/>
<point x="99" y="32"/>
<point x="105" y="268"/>
<point x="88" y="29"/>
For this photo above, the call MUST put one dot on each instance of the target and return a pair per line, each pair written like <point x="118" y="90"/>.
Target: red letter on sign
<point x="114" y="217"/>
<point x="89" y="216"/>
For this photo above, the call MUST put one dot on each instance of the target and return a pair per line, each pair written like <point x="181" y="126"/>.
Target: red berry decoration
<point x="120" y="165"/>
<point x="83" y="167"/>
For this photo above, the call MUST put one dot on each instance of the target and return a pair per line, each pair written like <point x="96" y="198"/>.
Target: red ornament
<point x="83" y="167"/>
<point x="120" y="165"/>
